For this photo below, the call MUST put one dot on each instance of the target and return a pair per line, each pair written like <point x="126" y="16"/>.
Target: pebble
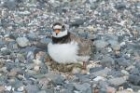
<point x="32" y="36"/>
<point x="20" y="89"/>
<point x="12" y="4"/>
<point x="115" y="45"/>
<point x="22" y="41"/>
<point x="13" y="73"/>
<point x="8" y="88"/>
<point x="83" y="88"/>
<point x="32" y="89"/>
<point x="98" y="78"/>
<point x="111" y="90"/>
<point x="59" y="80"/>
<point x="44" y="83"/>
<point x="77" y="23"/>
<point x="43" y="92"/>
<point x="117" y="81"/>
<point x="124" y="91"/>
<point x="2" y="89"/>
<point x="107" y="61"/>
<point x="70" y="88"/>
<point x="103" y="72"/>
<point x="21" y="57"/>
<point x="101" y="44"/>
<point x="45" y="41"/>
<point x="134" y="79"/>
<point x="37" y="68"/>
<point x="95" y="69"/>
<point x="37" y="61"/>
<point x="126" y="73"/>
<point x="5" y="51"/>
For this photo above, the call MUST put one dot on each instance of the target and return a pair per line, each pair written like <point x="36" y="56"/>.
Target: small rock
<point x="59" y="80"/>
<point x="134" y="79"/>
<point x="125" y="72"/>
<point x="103" y="72"/>
<point x="98" y="78"/>
<point x="21" y="88"/>
<point x="37" y="61"/>
<point x="49" y="90"/>
<point x="45" y="41"/>
<point x="37" y="68"/>
<point x="21" y="57"/>
<point x="43" y="91"/>
<point x="10" y="4"/>
<point x="120" y="6"/>
<point x="107" y="61"/>
<point x="90" y="28"/>
<point x="83" y="88"/>
<point x="44" y="83"/>
<point x="95" y="69"/>
<point x="13" y="72"/>
<point x="2" y="43"/>
<point x="8" y="88"/>
<point x="2" y="89"/>
<point x="5" y="51"/>
<point x="117" y="81"/>
<point x="124" y="91"/>
<point x="32" y="89"/>
<point x="77" y="23"/>
<point x="138" y="65"/>
<point x="116" y="73"/>
<point x="24" y="13"/>
<point x="22" y="41"/>
<point x="111" y="90"/>
<point x="32" y="36"/>
<point x="30" y="56"/>
<point x="101" y="44"/>
<point x="4" y="69"/>
<point x="115" y="45"/>
<point x="69" y="88"/>
<point x="122" y="62"/>
<point x="134" y="71"/>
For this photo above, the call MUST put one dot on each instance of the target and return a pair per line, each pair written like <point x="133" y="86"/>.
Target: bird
<point x="67" y="47"/>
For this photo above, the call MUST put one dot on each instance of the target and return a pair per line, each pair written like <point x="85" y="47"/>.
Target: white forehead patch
<point x="57" y="27"/>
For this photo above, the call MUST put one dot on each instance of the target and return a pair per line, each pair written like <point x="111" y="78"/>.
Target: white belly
<point x="64" y="53"/>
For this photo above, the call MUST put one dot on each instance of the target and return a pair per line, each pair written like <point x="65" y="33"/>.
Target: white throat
<point x="60" y="34"/>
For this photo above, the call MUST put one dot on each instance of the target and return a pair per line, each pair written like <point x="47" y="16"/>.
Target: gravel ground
<point x="25" y="30"/>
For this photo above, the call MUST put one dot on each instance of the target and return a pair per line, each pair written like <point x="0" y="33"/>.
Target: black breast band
<point x="61" y="40"/>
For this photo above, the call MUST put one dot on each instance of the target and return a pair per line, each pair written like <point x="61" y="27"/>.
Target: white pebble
<point x="36" y="68"/>
<point x="98" y="78"/>
<point x="8" y="88"/>
<point x="21" y="88"/>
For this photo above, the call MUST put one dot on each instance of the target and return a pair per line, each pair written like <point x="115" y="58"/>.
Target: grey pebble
<point x="83" y="88"/>
<point x="101" y="44"/>
<point x="32" y="88"/>
<point x="22" y="41"/>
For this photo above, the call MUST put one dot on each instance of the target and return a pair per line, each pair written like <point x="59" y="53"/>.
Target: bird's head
<point x="59" y="30"/>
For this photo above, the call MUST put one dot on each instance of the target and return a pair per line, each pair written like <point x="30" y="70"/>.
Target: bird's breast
<point x="64" y="53"/>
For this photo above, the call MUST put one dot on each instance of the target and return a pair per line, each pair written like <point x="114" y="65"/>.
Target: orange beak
<point x="57" y="31"/>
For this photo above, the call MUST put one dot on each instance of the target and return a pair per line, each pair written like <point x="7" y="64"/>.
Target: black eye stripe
<point x="61" y="30"/>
